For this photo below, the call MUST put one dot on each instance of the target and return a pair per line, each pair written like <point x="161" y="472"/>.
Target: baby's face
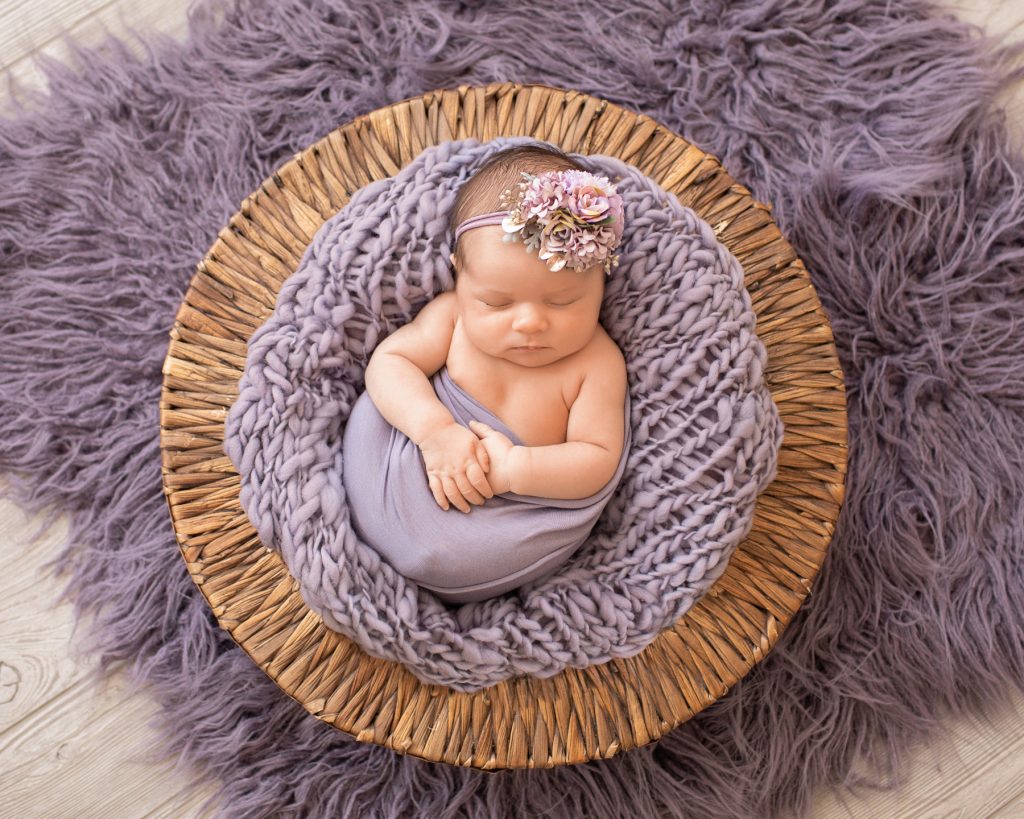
<point x="509" y="298"/>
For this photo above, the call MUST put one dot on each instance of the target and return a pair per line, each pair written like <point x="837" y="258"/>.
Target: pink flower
<point x="572" y="218"/>
<point x="591" y="205"/>
<point x="544" y="195"/>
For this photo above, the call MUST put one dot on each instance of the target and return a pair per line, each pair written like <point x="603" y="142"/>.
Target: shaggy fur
<point x="870" y="126"/>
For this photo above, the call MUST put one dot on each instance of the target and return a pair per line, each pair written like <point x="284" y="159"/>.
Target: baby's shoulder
<point x="447" y="300"/>
<point x="442" y="310"/>
<point x="602" y="353"/>
<point x="602" y="364"/>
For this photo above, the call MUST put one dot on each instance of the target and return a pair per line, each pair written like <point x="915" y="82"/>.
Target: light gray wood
<point x="56" y="726"/>
<point x="28" y="30"/>
<point x="976" y="770"/>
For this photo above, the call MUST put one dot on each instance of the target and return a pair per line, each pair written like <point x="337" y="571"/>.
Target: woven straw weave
<point x="579" y="714"/>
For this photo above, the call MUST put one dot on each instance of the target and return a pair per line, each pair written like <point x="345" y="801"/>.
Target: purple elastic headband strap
<point x="494" y="218"/>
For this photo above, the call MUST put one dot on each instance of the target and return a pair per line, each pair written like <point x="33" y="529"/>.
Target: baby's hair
<point x="481" y="193"/>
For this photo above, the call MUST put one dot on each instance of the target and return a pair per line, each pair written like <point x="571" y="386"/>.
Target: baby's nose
<point x="528" y="319"/>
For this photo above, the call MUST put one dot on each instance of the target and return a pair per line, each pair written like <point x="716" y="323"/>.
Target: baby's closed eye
<point x="509" y="304"/>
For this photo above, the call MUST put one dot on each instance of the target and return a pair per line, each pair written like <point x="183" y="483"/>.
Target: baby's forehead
<point x="546" y="282"/>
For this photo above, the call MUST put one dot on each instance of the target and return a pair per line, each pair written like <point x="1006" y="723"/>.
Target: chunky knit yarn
<point x="705" y="430"/>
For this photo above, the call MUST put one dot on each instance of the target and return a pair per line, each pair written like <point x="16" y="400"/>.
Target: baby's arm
<point x="594" y="439"/>
<point x="397" y="375"/>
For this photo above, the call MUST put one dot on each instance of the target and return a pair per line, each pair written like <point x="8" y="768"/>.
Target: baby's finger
<point x="454" y="495"/>
<point x="437" y="491"/>
<point x="467" y="490"/>
<point x="483" y="457"/>
<point x="479" y="480"/>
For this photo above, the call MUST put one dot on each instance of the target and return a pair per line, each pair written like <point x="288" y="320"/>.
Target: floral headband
<point x="573" y="218"/>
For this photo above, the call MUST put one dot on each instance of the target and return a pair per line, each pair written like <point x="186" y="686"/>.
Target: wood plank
<point x="35" y="666"/>
<point x="976" y="770"/>
<point x="27" y="27"/>
<point x="997" y="17"/>
<point x="56" y="724"/>
<point x="28" y="30"/>
<point x="91" y="743"/>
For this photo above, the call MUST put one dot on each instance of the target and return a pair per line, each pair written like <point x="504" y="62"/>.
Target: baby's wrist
<point x="431" y="427"/>
<point x="518" y="467"/>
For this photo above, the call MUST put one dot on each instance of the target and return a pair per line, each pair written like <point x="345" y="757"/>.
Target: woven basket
<point x="577" y="715"/>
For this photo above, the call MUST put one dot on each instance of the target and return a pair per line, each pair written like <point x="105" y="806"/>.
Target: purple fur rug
<point x="870" y="125"/>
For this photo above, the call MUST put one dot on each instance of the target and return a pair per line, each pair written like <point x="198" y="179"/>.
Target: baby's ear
<point x="451" y="256"/>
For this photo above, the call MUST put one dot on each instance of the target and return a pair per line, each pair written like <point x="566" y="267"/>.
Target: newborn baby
<point x="520" y="336"/>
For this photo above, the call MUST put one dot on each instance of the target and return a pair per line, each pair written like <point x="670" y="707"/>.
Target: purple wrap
<point x="508" y="541"/>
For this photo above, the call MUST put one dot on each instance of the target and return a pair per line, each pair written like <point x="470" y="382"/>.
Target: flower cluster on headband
<point x="572" y="218"/>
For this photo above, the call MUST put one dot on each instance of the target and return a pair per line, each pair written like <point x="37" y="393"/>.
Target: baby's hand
<point x="456" y="461"/>
<point x="498" y="447"/>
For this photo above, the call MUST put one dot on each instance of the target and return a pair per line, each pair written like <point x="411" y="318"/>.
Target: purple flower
<point x="544" y="196"/>
<point x="591" y="205"/>
<point x="572" y="218"/>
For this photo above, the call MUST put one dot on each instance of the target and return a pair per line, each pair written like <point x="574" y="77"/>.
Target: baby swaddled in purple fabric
<point x="503" y="544"/>
<point x="535" y="431"/>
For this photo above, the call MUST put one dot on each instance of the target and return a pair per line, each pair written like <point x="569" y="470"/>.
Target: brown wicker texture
<point x="577" y="715"/>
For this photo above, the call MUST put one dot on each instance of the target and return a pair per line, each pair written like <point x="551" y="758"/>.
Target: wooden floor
<point x="68" y="750"/>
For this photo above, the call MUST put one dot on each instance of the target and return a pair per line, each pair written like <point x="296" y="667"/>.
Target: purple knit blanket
<point x="705" y="435"/>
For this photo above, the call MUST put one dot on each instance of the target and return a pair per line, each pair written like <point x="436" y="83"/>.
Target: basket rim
<point x="579" y="714"/>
